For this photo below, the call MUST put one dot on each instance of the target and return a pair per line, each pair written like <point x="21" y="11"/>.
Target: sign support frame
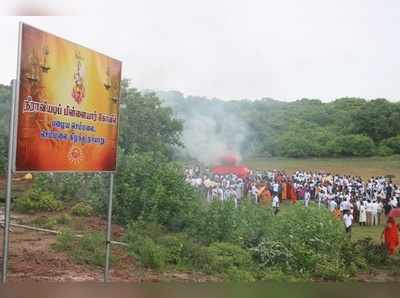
<point x="11" y="149"/>
<point x="108" y="233"/>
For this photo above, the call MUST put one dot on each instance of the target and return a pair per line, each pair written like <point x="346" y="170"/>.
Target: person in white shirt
<point x="348" y="221"/>
<point x="275" y="204"/>
<point x="363" y="215"/>
<point x="374" y="213"/>
<point x="307" y="197"/>
<point x="380" y="212"/>
<point x="332" y="205"/>
<point x="368" y="208"/>
<point x="254" y="193"/>
<point x="393" y="202"/>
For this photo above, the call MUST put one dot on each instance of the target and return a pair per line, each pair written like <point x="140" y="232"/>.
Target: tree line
<point x="344" y="127"/>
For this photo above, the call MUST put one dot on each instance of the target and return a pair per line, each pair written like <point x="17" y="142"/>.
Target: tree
<point x="146" y="125"/>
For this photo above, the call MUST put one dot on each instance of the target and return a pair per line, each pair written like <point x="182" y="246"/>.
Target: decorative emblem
<point x="107" y="83"/>
<point x="75" y="154"/>
<point x="33" y="75"/>
<point x="78" y="91"/>
<point x="44" y="66"/>
<point x="111" y="86"/>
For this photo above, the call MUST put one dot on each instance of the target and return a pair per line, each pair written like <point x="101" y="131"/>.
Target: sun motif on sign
<point x="75" y="154"/>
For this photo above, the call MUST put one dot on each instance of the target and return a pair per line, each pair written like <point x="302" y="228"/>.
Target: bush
<point x="352" y="145"/>
<point x="82" y="209"/>
<point x="64" y="219"/>
<point x="63" y="186"/>
<point x="44" y="222"/>
<point x="173" y="248"/>
<point x="216" y="222"/>
<point x="65" y="241"/>
<point x="393" y="143"/>
<point x="305" y="242"/>
<point x="374" y="254"/>
<point x="384" y="150"/>
<point x="221" y="257"/>
<point x="33" y="201"/>
<point x="150" y="187"/>
<point x="90" y="249"/>
<point x="148" y="253"/>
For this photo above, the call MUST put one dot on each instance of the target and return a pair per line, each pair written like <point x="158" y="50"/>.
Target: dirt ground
<point x="31" y="258"/>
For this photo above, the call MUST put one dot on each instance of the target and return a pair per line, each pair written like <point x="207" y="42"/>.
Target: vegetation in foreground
<point x="169" y="226"/>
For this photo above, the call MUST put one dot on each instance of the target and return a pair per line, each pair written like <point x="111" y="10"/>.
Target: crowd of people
<point x="349" y="198"/>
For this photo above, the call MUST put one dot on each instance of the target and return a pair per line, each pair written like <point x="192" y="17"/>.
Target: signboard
<point x="67" y="106"/>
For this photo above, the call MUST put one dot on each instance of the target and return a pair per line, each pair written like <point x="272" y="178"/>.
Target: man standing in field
<point x="307" y="197"/>
<point x="348" y="221"/>
<point x="275" y="204"/>
<point x="374" y="213"/>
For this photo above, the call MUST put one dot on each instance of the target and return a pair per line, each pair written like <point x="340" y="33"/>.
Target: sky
<point x="230" y="50"/>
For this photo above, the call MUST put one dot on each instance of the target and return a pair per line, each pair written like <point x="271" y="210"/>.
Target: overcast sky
<point x="231" y="49"/>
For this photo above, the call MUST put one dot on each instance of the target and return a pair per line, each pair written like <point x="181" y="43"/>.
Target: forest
<point x="344" y="127"/>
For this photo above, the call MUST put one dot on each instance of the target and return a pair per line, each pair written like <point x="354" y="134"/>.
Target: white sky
<point x="284" y="49"/>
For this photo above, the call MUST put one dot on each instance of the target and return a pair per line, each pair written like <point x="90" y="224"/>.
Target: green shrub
<point x="173" y="247"/>
<point x="82" y="209"/>
<point x="148" y="253"/>
<point x="393" y="143"/>
<point x="89" y="250"/>
<point x="374" y="254"/>
<point x="65" y="241"/>
<point x="63" y="186"/>
<point x="219" y="257"/>
<point x="64" y="219"/>
<point x="384" y="150"/>
<point x="352" y="145"/>
<point x="33" y="201"/>
<point x="217" y="222"/>
<point x="150" y="187"/>
<point x="44" y="222"/>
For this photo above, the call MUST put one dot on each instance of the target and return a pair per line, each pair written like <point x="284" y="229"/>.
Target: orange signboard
<point x="68" y="104"/>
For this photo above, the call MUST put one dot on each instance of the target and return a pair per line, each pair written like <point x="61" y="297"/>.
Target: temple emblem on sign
<point x="75" y="155"/>
<point x="78" y="91"/>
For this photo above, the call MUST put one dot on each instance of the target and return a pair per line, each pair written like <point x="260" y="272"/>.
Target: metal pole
<point x="108" y="240"/>
<point x="9" y="185"/>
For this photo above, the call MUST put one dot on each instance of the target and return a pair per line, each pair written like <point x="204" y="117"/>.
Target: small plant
<point x="34" y="201"/>
<point x="82" y="209"/>
<point x="44" y="222"/>
<point x="90" y="249"/>
<point x="64" y="219"/>
<point x="65" y="241"/>
<point x="148" y="253"/>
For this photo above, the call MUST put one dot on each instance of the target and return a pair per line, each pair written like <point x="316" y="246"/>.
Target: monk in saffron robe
<point x="265" y="196"/>
<point x="292" y="193"/>
<point x="284" y="190"/>
<point x="391" y="236"/>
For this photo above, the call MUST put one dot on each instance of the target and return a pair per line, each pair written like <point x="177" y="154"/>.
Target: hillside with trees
<point x="304" y="128"/>
<point x="344" y="127"/>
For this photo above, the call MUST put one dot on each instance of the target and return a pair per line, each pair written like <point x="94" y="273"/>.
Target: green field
<point x="364" y="167"/>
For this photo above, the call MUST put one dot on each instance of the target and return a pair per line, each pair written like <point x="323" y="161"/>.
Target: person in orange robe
<point x="391" y="236"/>
<point x="284" y="190"/>
<point x="265" y="197"/>
<point x="292" y="193"/>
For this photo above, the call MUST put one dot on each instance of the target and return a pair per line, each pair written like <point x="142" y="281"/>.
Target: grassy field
<point x="364" y="167"/>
